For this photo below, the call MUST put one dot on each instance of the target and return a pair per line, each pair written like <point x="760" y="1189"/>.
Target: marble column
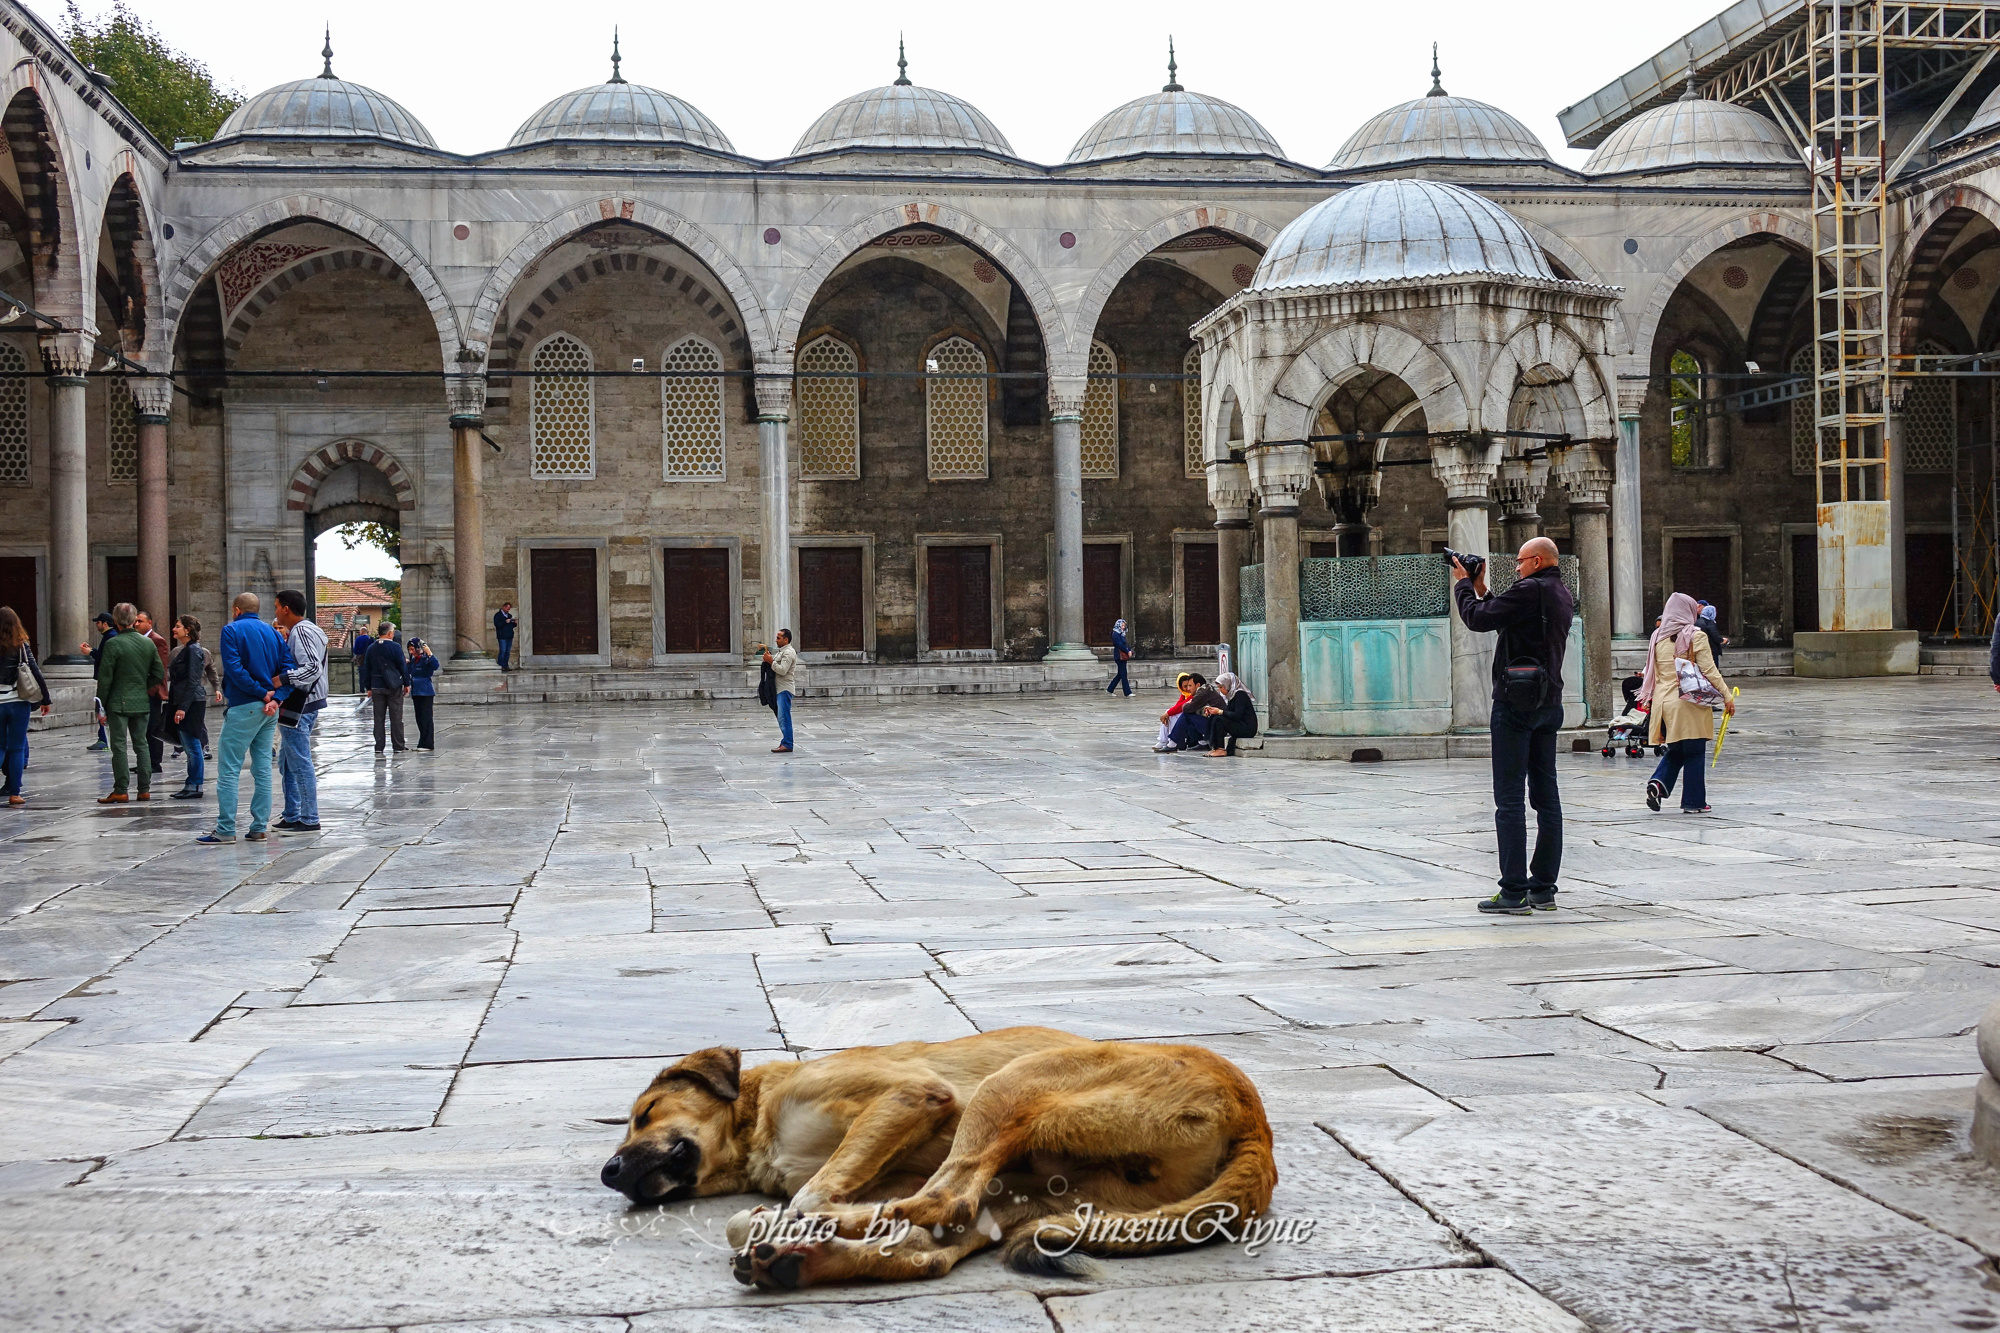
<point x="1066" y="632"/>
<point x="1280" y="473"/>
<point x="1229" y="492"/>
<point x="153" y="401"/>
<point x="1628" y="555"/>
<point x="470" y="614"/>
<point x="1899" y="573"/>
<point x="774" y="418"/>
<point x="66" y="357"/>
<point x="1587" y="482"/>
<point x="1467" y="473"/>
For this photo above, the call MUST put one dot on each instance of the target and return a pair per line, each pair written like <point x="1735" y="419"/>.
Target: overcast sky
<point x="1311" y="73"/>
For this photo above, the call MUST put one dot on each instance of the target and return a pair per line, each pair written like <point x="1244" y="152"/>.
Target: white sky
<point x="334" y="561"/>
<point x="1043" y="72"/>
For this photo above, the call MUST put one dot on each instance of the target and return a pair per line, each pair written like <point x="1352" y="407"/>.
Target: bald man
<point x="1532" y="619"/>
<point x="253" y="656"/>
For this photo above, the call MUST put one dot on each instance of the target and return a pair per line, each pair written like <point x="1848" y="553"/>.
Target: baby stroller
<point x="1629" y="727"/>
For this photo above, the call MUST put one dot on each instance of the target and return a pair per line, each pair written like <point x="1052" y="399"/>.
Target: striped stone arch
<point x="1779" y="226"/>
<point x="61" y="256"/>
<point x="130" y="220"/>
<point x="303" y="270"/>
<point x="324" y="461"/>
<point x="1919" y="270"/>
<point x="1253" y="231"/>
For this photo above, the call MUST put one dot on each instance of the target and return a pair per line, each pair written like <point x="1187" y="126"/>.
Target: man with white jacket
<point x="784" y="662"/>
<point x="295" y="762"/>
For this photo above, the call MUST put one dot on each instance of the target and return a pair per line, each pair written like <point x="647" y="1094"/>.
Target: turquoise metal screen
<point x="1250" y="595"/>
<point x="1361" y="587"/>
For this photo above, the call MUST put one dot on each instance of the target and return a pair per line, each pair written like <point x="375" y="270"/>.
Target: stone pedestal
<point x="774" y="416"/>
<point x="1066" y="632"/>
<point x="67" y="358"/>
<point x="1856" y="579"/>
<point x="1837" y="655"/>
<point x="1986" y="1098"/>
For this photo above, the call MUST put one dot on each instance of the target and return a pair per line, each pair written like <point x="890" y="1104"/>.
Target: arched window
<point x="121" y="435"/>
<point x="829" y="412"/>
<point x="563" y="422"/>
<point x="1805" y="416"/>
<point x="13" y="417"/>
<point x="1191" y="412"/>
<point x="1688" y="434"/>
<point x="691" y="410"/>
<point x="1100" y="414"/>
<point x="1930" y="417"/>
<point x="955" y="413"/>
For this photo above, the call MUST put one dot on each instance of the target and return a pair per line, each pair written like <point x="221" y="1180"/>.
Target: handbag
<point x="1694" y="686"/>
<point x="26" y="688"/>
<point x="1524" y="684"/>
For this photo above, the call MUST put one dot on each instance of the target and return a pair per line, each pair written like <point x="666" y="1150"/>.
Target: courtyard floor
<point x="366" y="1079"/>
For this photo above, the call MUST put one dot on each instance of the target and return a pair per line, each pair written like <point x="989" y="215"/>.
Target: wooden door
<point x="1103" y="592"/>
<point x="1701" y="570"/>
<point x="697" y="599"/>
<point x="830" y="599"/>
<point x="1927" y="570"/>
<point x="121" y="584"/>
<point x="562" y="622"/>
<point x="1201" y="607"/>
<point x="1322" y="550"/>
<point x="1805" y="582"/>
<point x="17" y="589"/>
<point x="960" y="600"/>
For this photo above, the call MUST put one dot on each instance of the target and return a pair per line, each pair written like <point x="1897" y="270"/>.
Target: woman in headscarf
<point x="1185" y="683"/>
<point x="1121" y="653"/>
<point x="1237" y="719"/>
<point x="1684" y="728"/>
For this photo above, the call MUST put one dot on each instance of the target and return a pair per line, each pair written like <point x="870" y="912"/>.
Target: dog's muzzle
<point x="646" y="1175"/>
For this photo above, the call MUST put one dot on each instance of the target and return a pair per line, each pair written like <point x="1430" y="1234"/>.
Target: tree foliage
<point x="354" y="536"/>
<point x="171" y="93"/>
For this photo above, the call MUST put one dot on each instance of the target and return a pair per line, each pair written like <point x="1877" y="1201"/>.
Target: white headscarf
<point x="1227" y="684"/>
<point x="1118" y="628"/>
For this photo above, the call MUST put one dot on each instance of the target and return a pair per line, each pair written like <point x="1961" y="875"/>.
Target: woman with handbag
<point x="191" y="678"/>
<point x="22" y="690"/>
<point x="1684" y="687"/>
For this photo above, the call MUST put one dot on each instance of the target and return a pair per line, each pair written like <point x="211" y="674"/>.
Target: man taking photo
<point x="1532" y="619"/>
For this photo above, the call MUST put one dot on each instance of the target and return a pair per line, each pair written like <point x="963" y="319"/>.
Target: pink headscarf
<point x="1677" y="622"/>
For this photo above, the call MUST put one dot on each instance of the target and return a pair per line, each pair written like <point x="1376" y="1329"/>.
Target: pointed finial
<point x="1687" y="44"/>
<point x="1173" y="70"/>
<point x="326" y="54"/>
<point x="902" y="65"/>
<point x="616" y="77"/>
<point x="1437" y="85"/>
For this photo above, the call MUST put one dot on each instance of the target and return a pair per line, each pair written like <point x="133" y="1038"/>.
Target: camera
<point x="1472" y="564"/>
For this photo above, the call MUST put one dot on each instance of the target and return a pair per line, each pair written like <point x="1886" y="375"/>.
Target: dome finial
<point x="1173" y="70"/>
<point x="1687" y="44"/>
<point x="616" y="77"/>
<point x="326" y="54"/>
<point x="1437" y="85"/>
<point x="902" y="65"/>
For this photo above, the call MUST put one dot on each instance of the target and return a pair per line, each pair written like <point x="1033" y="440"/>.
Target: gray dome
<point x="623" y="112"/>
<point x="1692" y="132"/>
<point x="1175" y="121"/>
<point x="327" y="108"/>
<point x="902" y="115"/>
<point x="1395" y="229"/>
<point x="1983" y="119"/>
<point x="1439" y="126"/>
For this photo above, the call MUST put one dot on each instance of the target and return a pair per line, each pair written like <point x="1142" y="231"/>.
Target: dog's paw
<point x="745" y="1225"/>
<point x="774" y="1267"/>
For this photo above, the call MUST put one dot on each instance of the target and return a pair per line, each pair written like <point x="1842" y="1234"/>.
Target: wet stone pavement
<point x="365" y="1079"/>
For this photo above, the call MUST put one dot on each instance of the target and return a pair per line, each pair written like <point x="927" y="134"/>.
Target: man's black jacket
<point x="384" y="666"/>
<point x="1517" y="614"/>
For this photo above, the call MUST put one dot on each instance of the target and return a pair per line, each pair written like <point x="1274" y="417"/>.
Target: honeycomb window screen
<point x="121" y="435"/>
<point x="955" y="414"/>
<point x="1805" y="430"/>
<point x="829" y="412"/>
<point x="13" y="417"/>
<point x="691" y="413"/>
<point x="1191" y="412"/>
<point x="1930" y="418"/>
<point x="1100" y="415"/>
<point x="564" y="417"/>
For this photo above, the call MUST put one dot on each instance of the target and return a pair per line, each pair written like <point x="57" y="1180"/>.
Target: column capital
<point x="1466" y="472"/>
<point x="1066" y="393"/>
<point x="1631" y="396"/>
<point x="774" y="395"/>
<point x="465" y="393"/>
<point x="1229" y="491"/>
<point x="1585" y="472"/>
<point x="152" y="396"/>
<point x="1280" y="473"/>
<point x="1519" y="485"/>
<point x="66" y="355"/>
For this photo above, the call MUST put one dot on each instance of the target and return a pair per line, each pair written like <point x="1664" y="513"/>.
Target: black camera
<point x="1472" y="564"/>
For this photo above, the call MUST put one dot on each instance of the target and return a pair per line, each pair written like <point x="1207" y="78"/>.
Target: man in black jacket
<point x="387" y="680"/>
<point x="1533" y="619"/>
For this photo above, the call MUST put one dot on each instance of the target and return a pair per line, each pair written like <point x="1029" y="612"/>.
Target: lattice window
<point x="955" y="414"/>
<point x="829" y="413"/>
<point x="565" y="410"/>
<point x="1191" y="412"/>
<point x="1100" y="415"/>
<point x="1805" y="426"/>
<point x="121" y="435"/>
<point x="691" y="410"/>
<point x="1930" y="418"/>
<point x="1684" y="387"/>
<point x="13" y="417"/>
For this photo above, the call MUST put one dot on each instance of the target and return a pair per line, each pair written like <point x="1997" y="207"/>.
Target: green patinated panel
<point x="1250" y="662"/>
<point x="1377" y="677"/>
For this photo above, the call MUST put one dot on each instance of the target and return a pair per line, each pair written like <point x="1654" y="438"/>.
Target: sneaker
<point x="186" y="794"/>
<point x="1506" y="904"/>
<point x="1695" y="809"/>
<point x="101" y="745"/>
<point x="1542" y="900"/>
<point x="1163" y="749"/>
<point x="303" y="828"/>
<point x="781" y="749"/>
<point x="1655" y="790"/>
<point x="255" y="835"/>
<point x="285" y="825"/>
<point x="214" y="839"/>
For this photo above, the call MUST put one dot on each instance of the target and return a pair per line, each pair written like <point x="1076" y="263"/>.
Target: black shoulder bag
<point x="1524" y="684"/>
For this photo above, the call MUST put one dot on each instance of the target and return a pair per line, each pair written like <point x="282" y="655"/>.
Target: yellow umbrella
<point x="1723" y="734"/>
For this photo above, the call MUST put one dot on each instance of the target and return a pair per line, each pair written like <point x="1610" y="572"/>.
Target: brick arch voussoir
<point x="140" y="249"/>
<point x="1200" y="217"/>
<point x="1778" y="226"/>
<point x="324" y="461"/>
<point x="285" y="280"/>
<point x="65" y="265"/>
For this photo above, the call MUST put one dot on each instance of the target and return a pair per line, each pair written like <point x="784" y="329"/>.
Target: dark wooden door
<point x="961" y="591"/>
<point x="697" y="599"/>
<point x="1201" y="611"/>
<point x="1927" y="570"/>
<point x="1701" y="570"/>
<point x="1805" y="582"/>
<point x="563" y="620"/>
<point x="830" y="599"/>
<point x="17" y="589"/>
<point x="121" y="584"/>
<point x="1320" y="551"/>
<point x="1103" y="592"/>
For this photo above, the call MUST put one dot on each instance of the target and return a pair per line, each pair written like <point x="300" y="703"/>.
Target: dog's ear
<point x="719" y="1069"/>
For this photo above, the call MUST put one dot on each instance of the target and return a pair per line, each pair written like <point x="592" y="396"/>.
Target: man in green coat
<point x="127" y="669"/>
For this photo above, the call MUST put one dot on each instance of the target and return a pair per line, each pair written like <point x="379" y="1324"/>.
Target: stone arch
<point x="327" y="459"/>
<point x="1294" y="399"/>
<point x="135" y="255"/>
<point x="274" y="285"/>
<point x="60" y="257"/>
<point x="232" y="232"/>
<point x="1779" y="226"/>
<point x="921" y="213"/>
<point x="552" y="232"/>
<point x="1919" y="270"/>
<point x="1200" y="217"/>
<point x="1543" y="354"/>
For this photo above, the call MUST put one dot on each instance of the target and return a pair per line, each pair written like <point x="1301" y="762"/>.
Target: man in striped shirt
<point x="295" y="762"/>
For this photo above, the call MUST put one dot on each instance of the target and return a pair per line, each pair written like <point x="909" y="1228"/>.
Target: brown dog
<point x="901" y="1160"/>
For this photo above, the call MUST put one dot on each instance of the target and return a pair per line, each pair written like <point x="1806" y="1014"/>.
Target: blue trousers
<point x="1120" y="679"/>
<point x="295" y="764"/>
<point x="14" y="744"/>
<point x="506" y="647"/>
<point x="784" y="709"/>
<point x="197" y="762"/>
<point x="246" y="730"/>
<point x="1685" y="757"/>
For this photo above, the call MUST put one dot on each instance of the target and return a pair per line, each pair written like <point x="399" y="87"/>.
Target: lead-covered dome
<point x="1693" y="132"/>
<point x="325" y="107"/>
<point x="1397" y="229"/>
<point x="621" y="112"/>
<point x="1174" y="120"/>
<point x="903" y="115"/>
<point x="1439" y="127"/>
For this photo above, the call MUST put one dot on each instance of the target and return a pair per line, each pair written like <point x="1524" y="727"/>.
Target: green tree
<point x="172" y="94"/>
<point x="354" y="536"/>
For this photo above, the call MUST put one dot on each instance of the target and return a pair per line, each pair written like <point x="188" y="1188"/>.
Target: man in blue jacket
<point x="253" y="656"/>
<point x="503" y="630"/>
<point x="387" y="680"/>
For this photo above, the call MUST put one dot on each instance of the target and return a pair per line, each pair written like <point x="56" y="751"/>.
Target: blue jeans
<point x="783" y="705"/>
<point x="246" y="730"/>
<point x="1685" y="757"/>
<point x="506" y="647"/>
<point x="14" y="744"/>
<point x="295" y="764"/>
<point x="1120" y="679"/>
<point x="1524" y="747"/>
<point x="197" y="768"/>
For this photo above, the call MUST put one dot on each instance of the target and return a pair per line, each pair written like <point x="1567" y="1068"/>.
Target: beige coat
<point x="1674" y="720"/>
<point x="785" y="667"/>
